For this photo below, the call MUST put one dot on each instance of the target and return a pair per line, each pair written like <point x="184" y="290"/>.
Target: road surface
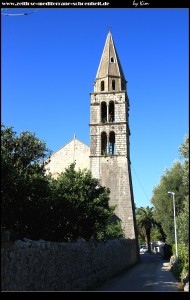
<point x="151" y="274"/>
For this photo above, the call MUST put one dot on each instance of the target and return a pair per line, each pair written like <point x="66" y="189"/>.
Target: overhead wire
<point x="140" y="183"/>
<point x="18" y="14"/>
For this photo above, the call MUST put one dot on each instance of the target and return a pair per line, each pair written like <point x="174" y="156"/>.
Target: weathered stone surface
<point x="50" y="266"/>
<point x="74" y="151"/>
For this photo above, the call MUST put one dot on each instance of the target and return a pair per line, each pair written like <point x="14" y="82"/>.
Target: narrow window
<point x="102" y="85"/>
<point x="111" y="59"/>
<point x="112" y="150"/>
<point x="111" y="111"/>
<point x="113" y="85"/>
<point x="103" y="112"/>
<point x="103" y="143"/>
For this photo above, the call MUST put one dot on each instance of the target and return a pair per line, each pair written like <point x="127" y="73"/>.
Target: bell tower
<point x="109" y="136"/>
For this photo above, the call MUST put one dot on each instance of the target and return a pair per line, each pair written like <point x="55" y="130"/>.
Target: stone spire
<point x="109" y="68"/>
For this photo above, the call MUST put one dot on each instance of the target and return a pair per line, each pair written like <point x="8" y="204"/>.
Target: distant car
<point x="143" y="249"/>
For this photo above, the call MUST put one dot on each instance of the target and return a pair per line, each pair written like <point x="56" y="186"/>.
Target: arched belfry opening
<point x="103" y="143"/>
<point x="103" y="112"/>
<point x="112" y="149"/>
<point x="111" y="111"/>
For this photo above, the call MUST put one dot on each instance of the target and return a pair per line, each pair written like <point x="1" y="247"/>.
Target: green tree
<point x="172" y="180"/>
<point x="184" y="154"/>
<point x="24" y="186"/>
<point x="176" y="180"/>
<point x="183" y="216"/>
<point x="183" y="223"/>
<point x="37" y="206"/>
<point x="157" y="233"/>
<point x="145" y="223"/>
<point x="80" y="207"/>
<point x="184" y="148"/>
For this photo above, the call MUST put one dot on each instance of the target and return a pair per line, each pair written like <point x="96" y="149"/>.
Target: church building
<point x="108" y="156"/>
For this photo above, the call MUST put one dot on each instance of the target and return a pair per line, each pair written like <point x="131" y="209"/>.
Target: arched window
<point x="112" y="59"/>
<point x="102" y="85"/>
<point x="103" y="143"/>
<point x="111" y="111"/>
<point x="113" y="84"/>
<point x="112" y="150"/>
<point x="103" y="112"/>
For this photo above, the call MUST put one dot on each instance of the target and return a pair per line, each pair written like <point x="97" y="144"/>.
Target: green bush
<point x="181" y="265"/>
<point x="111" y="231"/>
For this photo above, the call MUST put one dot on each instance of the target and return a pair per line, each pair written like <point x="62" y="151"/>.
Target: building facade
<point x="108" y="156"/>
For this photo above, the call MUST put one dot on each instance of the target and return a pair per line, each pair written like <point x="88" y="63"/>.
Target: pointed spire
<point x="109" y="63"/>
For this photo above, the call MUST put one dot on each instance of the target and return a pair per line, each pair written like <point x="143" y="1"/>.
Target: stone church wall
<point x="63" y="158"/>
<point x="50" y="266"/>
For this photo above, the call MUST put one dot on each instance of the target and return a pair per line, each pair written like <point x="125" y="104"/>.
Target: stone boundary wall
<point x="49" y="266"/>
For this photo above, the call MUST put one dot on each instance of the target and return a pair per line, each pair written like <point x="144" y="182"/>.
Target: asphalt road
<point x="151" y="274"/>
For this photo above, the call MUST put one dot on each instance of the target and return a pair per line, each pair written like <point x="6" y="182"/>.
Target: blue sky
<point x="49" y="63"/>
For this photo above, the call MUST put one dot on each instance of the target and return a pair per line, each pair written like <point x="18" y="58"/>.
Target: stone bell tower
<point x="109" y="136"/>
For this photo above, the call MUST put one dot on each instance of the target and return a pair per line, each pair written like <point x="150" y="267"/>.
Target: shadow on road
<point x="151" y="274"/>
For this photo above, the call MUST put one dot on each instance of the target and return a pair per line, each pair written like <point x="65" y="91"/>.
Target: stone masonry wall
<point x="115" y="174"/>
<point x="74" y="151"/>
<point x="50" y="266"/>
